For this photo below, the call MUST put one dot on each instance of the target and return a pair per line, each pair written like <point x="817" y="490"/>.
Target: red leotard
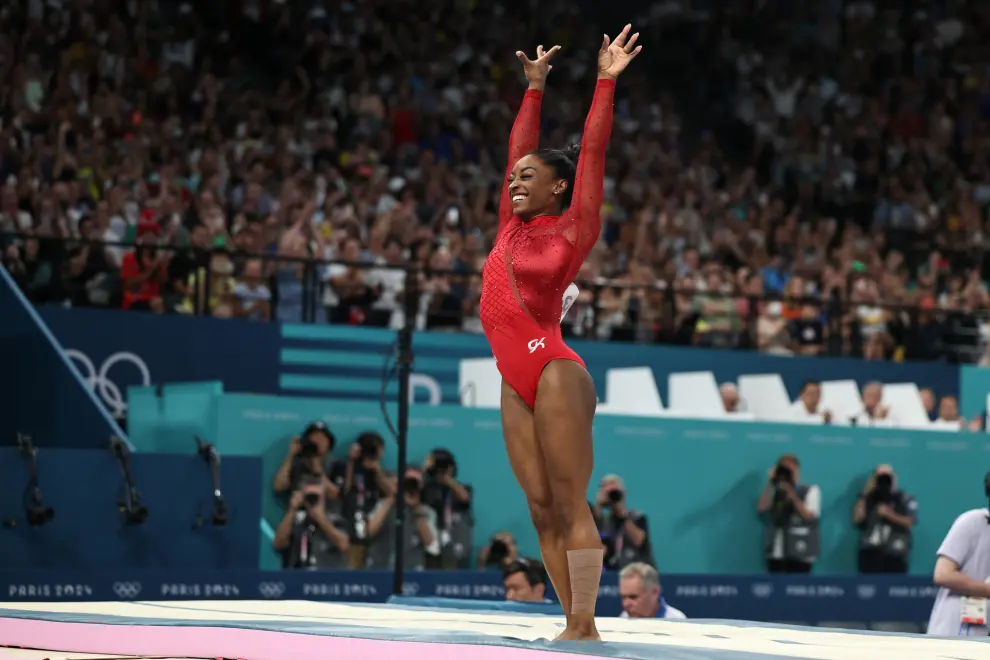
<point x="532" y="263"/>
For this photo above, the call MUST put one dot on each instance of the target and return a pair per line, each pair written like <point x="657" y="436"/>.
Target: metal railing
<point x="224" y="283"/>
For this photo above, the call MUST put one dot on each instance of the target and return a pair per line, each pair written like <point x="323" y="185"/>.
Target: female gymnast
<point x="549" y="219"/>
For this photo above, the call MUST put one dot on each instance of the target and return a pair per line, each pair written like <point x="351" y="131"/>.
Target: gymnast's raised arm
<point x="589" y="179"/>
<point x="525" y="136"/>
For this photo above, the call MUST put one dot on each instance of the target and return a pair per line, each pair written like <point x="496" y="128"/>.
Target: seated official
<point x="421" y="545"/>
<point x="885" y="516"/>
<point x="525" y="581"/>
<point x="308" y="536"/>
<point x="642" y="596"/>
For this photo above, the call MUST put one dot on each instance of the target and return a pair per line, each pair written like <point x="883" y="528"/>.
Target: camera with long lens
<point x="411" y="486"/>
<point x="615" y="496"/>
<point x="498" y="552"/>
<point x="782" y="506"/>
<point x="443" y="461"/>
<point x="783" y="474"/>
<point x="883" y="490"/>
<point x="370" y="444"/>
<point x="307" y="444"/>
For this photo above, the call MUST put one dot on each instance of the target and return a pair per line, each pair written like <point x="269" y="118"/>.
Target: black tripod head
<point x="129" y="504"/>
<point x="219" y="513"/>
<point x="36" y="512"/>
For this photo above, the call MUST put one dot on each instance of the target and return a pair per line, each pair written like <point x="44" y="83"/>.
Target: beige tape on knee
<point x="585" y="570"/>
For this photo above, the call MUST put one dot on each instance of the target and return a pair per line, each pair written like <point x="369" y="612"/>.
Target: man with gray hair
<point x="874" y="412"/>
<point x="642" y="597"/>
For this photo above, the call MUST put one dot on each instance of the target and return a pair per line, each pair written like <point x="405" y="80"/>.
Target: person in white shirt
<point x="642" y="597"/>
<point x="874" y="413"/>
<point x="948" y="412"/>
<point x="963" y="573"/>
<point x="731" y="401"/>
<point x="808" y="404"/>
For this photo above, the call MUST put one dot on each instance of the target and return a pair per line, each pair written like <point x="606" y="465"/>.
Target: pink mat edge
<point x="250" y="644"/>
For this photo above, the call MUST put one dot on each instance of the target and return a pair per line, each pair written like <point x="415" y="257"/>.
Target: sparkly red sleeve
<point x="589" y="181"/>
<point x="524" y="139"/>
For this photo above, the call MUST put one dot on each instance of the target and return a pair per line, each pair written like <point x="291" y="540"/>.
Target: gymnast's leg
<point x="527" y="463"/>
<point x="564" y="411"/>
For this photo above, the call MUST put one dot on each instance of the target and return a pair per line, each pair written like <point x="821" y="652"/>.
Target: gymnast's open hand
<point x="615" y="55"/>
<point x="537" y="70"/>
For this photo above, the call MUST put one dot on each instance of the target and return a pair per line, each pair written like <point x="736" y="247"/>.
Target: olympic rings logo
<point x="271" y="589"/>
<point x="127" y="590"/>
<point x="99" y="381"/>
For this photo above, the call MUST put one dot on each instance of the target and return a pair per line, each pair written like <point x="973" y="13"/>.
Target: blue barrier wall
<point x="974" y="385"/>
<point x="346" y="362"/>
<point x="698" y="481"/>
<point x="87" y="533"/>
<point x="40" y="393"/>
<point x="792" y="599"/>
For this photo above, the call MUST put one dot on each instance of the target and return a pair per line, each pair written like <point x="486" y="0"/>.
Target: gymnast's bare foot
<point x="580" y="631"/>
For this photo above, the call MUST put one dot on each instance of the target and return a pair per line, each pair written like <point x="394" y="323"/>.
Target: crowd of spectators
<point x="801" y="178"/>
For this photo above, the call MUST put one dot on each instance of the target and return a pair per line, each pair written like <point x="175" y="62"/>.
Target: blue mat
<point x="436" y="621"/>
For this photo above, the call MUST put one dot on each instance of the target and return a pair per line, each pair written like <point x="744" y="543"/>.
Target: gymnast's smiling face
<point x="534" y="188"/>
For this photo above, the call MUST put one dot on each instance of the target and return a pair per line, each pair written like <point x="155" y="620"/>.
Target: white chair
<point x="695" y="392"/>
<point x="841" y="398"/>
<point x="631" y="391"/>
<point x="904" y="400"/>
<point x="480" y="383"/>
<point x="765" y="396"/>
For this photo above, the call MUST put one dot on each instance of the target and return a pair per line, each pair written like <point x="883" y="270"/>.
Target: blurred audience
<point x="771" y="185"/>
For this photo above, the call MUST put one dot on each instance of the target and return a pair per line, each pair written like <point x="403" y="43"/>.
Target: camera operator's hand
<point x="770" y="474"/>
<point x="355" y="452"/>
<point x="871" y="483"/>
<point x="295" y="446"/>
<point x="429" y="463"/>
<point x="413" y="500"/>
<point x="601" y="499"/>
<point x="619" y="509"/>
<point x="884" y="511"/>
<point x="788" y="488"/>
<point x="296" y="501"/>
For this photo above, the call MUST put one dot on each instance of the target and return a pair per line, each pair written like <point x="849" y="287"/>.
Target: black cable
<point x="390" y="367"/>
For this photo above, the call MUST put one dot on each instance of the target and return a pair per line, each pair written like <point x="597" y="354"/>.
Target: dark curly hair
<point x="563" y="162"/>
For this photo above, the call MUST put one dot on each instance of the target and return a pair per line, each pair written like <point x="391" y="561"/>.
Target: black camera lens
<point x="311" y="499"/>
<point x="497" y="552"/>
<point x="615" y="496"/>
<point x="884" y="483"/>
<point x="307" y="446"/>
<point x="783" y="474"/>
<point x="411" y="485"/>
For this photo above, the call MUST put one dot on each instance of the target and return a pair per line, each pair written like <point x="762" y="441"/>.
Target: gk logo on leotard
<point x="535" y="344"/>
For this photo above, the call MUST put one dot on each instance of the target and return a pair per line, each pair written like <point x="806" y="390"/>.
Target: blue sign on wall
<point x="792" y="599"/>
<point x="121" y="348"/>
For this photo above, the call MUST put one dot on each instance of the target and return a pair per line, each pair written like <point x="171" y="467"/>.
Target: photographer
<point x="422" y="542"/>
<point x="885" y="516"/>
<point x="525" y="581"/>
<point x="499" y="553"/>
<point x="625" y="533"/>
<point x="452" y="502"/>
<point x="365" y="483"/>
<point x="792" y="509"/>
<point x="309" y="455"/>
<point x="307" y="537"/>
